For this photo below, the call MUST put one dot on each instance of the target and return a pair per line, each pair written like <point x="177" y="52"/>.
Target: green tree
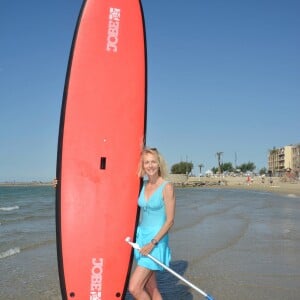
<point x="247" y="167"/>
<point x="273" y="151"/>
<point x="182" y="168"/>
<point x="225" y="167"/>
<point x="263" y="171"/>
<point x="215" y="170"/>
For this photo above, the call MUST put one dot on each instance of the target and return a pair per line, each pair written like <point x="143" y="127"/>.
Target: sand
<point x="277" y="184"/>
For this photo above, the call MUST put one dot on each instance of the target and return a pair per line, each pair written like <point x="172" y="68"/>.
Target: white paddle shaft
<point x="136" y="246"/>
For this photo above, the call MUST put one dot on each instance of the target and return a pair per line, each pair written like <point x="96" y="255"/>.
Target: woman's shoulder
<point x="168" y="186"/>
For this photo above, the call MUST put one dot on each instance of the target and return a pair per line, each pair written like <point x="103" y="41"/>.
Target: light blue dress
<point x="153" y="216"/>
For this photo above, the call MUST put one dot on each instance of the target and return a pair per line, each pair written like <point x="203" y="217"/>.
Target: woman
<point x="157" y="203"/>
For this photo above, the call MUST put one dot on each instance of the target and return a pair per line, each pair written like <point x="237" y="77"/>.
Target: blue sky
<point x="223" y="76"/>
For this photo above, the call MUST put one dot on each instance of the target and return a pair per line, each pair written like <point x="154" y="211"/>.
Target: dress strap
<point x="162" y="186"/>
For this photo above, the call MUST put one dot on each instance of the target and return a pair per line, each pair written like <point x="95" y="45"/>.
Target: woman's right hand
<point x="145" y="250"/>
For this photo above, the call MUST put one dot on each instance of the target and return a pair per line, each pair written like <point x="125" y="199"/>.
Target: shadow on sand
<point x="169" y="285"/>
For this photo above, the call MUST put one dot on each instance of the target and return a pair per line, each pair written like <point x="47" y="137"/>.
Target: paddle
<point x="136" y="246"/>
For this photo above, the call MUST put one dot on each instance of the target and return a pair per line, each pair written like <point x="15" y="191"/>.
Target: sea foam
<point x="9" y="252"/>
<point x="9" y="208"/>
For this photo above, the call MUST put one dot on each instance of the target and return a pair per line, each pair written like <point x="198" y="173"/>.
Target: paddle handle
<point x="136" y="246"/>
<point x="179" y="277"/>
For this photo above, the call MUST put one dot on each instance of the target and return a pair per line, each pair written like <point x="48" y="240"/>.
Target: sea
<point x="232" y="244"/>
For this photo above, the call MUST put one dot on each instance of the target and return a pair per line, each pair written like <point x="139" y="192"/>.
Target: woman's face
<point x="150" y="164"/>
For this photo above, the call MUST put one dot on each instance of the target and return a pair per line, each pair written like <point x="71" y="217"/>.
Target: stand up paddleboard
<point x="102" y="132"/>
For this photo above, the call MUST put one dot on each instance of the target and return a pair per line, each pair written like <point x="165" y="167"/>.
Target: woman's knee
<point x="138" y="281"/>
<point x="133" y="288"/>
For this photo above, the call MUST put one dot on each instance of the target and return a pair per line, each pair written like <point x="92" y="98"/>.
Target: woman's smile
<point x="150" y="164"/>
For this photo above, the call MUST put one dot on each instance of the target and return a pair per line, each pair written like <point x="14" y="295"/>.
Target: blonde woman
<point x="157" y="203"/>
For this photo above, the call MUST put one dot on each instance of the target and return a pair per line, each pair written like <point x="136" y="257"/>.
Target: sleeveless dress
<point x="153" y="216"/>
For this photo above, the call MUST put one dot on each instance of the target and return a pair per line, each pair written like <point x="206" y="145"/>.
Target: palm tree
<point x="200" y="167"/>
<point x="219" y="154"/>
<point x="272" y="159"/>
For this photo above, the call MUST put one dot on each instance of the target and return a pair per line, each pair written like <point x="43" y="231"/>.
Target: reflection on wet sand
<point x="170" y="286"/>
<point x="245" y="244"/>
<point x="234" y="244"/>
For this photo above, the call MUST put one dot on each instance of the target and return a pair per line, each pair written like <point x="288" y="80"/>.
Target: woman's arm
<point x="170" y="201"/>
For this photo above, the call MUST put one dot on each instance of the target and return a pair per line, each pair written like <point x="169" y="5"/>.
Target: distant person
<point x="248" y="179"/>
<point x="157" y="203"/>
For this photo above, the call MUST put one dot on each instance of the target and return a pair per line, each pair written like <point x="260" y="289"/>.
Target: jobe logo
<point x="96" y="279"/>
<point x="113" y="29"/>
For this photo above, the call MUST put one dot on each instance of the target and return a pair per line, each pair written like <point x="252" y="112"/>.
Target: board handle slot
<point x="102" y="163"/>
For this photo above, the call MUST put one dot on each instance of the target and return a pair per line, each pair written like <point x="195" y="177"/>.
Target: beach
<point x="232" y="240"/>
<point x="278" y="185"/>
<point x="256" y="183"/>
<point x="241" y="244"/>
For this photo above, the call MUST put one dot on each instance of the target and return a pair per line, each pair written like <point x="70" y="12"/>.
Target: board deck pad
<point x="102" y="132"/>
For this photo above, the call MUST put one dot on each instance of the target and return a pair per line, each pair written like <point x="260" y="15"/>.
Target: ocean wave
<point x="18" y="218"/>
<point x="38" y="244"/>
<point x="9" y="252"/>
<point x="292" y="196"/>
<point x="9" y="208"/>
<point x="28" y="247"/>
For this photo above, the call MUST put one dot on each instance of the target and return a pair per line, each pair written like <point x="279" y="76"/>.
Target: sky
<point x="223" y="76"/>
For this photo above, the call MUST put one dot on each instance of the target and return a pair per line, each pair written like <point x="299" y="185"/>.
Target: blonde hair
<point x="163" y="171"/>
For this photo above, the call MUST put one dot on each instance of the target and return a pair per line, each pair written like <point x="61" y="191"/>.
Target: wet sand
<point x="232" y="243"/>
<point x="239" y="244"/>
<point x="277" y="185"/>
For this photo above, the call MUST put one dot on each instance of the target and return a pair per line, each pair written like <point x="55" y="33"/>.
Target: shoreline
<point x="24" y="184"/>
<point x="277" y="185"/>
<point x="291" y="190"/>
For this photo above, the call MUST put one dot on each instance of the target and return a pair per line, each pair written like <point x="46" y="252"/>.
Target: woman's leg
<point x="137" y="283"/>
<point x="152" y="289"/>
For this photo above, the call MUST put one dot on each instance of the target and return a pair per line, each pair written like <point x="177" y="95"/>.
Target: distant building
<point x="284" y="159"/>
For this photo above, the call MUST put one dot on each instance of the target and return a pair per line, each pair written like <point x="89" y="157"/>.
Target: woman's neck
<point x="153" y="180"/>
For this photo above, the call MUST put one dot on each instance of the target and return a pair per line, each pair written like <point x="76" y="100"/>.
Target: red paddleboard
<point x="102" y="132"/>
